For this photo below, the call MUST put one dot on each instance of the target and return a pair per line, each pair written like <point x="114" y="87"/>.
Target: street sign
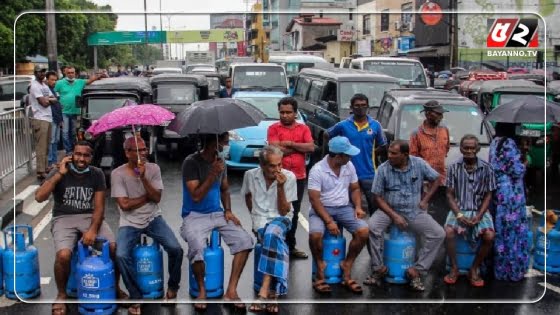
<point x="120" y="38"/>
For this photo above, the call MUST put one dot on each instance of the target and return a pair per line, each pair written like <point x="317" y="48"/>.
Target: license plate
<point x="530" y="133"/>
<point x="256" y="153"/>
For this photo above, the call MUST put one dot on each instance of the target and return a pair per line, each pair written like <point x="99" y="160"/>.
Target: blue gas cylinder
<point x="148" y="259"/>
<point x="465" y="255"/>
<point x="552" y="246"/>
<point x="27" y="276"/>
<point x="72" y="284"/>
<point x="398" y="254"/>
<point x="334" y="252"/>
<point x="214" y="269"/>
<point x="96" y="279"/>
<point x="541" y="245"/>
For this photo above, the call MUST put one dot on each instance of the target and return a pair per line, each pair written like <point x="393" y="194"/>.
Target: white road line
<point x="35" y="207"/>
<point x="533" y="273"/>
<point x="303" y="221"/>
<point x="26" y="192"/>
<point x="42" y="224"/>
<point x="550" y="287"/>
<point x="45" y="280"/>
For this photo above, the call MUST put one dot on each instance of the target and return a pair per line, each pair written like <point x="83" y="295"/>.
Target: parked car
<point x="246" y="143"/>
<point x="10" y="99"/>
<point x="400" y="115"/>
<point x="410" y="72"/>
<point x="324" y="95"/>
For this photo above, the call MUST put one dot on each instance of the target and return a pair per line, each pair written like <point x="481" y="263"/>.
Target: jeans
<point x="69" y="131"/>
<point x="53" y="148"/>
<point x="127" y="239"/>
<point x="291" y="235"/>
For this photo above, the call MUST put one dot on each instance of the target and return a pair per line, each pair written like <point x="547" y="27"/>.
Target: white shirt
<point x="334" y="189"/>
<point x="265" y="201"/>
<point x="40" y="89"/>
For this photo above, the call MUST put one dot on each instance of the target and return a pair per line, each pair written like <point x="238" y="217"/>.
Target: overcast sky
<point x="176" y="21"/>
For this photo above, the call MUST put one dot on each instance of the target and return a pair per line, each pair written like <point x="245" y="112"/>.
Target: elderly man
<point x="269" y="191"/>
<point x="79" y="205"/>
<point x="205" y="184"/>
<point x="331" y="181"/>
<point x="470" y="184"/>
<point x="137" y="188"/>
<point x="397" y="189"/>
<point x="431" y="142"/>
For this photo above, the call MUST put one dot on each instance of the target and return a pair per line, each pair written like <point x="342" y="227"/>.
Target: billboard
<point x="429" y="35"/>
<point x="206" y="36"/>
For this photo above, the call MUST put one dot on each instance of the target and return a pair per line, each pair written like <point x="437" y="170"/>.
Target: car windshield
<point x="268" y="105"/>
<point x="508" y="97"/>
<point x="259" y="78"/>
<point x="410" y="73"/>
<point x="213" y="83"/>
<point x="97" y="107"/>
<point x="295" y="67"/>
<point x="460" y="119"/>
<point x="175" y="94"/>
<point x="373" y="90"/>
<point x="7" y="90"/>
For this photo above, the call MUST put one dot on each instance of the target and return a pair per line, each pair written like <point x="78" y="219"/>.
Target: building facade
<point x="393" y="34"/>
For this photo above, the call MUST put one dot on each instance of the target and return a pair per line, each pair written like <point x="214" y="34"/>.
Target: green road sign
<point x="119" y="38"/>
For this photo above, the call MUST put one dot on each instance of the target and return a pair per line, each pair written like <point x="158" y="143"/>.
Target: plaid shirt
<point x="431" y="144"/>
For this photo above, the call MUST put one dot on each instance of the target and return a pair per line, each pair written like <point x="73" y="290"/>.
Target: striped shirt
<point x="402" y="189"/>
<point x="470" y="188"/>
<point x="431" y="144"/>
<point x="334" y="189"/>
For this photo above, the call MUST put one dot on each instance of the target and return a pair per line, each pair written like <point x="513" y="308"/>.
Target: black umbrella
<point x="216" y="116"/>
<point x="526" y="109"/>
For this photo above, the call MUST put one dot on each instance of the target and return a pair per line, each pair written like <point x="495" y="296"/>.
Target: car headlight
<point x="233" y="135"/>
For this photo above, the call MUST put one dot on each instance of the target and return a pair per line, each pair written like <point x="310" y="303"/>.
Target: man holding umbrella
<point x="205" y="184"/>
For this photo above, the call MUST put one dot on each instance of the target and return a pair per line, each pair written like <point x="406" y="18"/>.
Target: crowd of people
<point x="483" y="201"/>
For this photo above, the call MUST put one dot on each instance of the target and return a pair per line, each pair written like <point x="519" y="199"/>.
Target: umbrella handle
<point x="136" y="142"/>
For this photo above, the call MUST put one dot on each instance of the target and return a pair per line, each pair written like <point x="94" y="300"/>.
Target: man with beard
<point x="79" y="206"/>
<point x="366" y="134"/>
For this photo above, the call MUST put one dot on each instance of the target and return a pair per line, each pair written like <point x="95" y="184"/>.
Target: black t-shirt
<point x="74" y="194"/>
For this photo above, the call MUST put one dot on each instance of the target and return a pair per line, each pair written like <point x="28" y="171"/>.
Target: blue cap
<point x="342" y="145"/>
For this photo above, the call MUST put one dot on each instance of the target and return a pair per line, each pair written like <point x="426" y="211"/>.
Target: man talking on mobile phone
<point x="79" y="205"/>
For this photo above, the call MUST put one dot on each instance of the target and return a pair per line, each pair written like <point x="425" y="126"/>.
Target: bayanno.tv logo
<point x="512" y="32"/>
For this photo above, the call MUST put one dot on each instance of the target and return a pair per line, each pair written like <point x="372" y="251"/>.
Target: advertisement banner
<point x="205" y="36"/>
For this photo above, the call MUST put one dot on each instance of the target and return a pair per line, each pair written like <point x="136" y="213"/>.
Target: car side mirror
<point x="332" y="106"/>
<point x="79" y="102"/>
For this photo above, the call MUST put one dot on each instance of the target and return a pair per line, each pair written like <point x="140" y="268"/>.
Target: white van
<point x="410" y="72"/>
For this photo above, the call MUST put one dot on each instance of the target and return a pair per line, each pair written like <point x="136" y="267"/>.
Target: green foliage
<point x="72" y="30"/>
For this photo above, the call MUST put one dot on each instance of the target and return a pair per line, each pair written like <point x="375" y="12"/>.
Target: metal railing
<point x="15" y="126"/>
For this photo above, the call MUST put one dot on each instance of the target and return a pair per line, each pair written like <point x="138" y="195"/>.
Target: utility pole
<point x="161" y="31"/>
<point x="145" y="37"/>
<point x="51" y="37"/>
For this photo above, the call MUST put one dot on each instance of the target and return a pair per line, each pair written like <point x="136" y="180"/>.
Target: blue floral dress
<point x="511" y="246"/>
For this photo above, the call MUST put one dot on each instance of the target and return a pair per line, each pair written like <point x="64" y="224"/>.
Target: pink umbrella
<point x="131" y="114"/>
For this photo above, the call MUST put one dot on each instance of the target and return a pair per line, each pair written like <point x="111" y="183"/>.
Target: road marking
<point x="551" y="287"/>
<point x="42" y="224"/>
<point x="45" y="280"/>
<point x="26" y="192"/>
<point x="35" y="207"/>
<point x="533" y="273"/>
<point x="304" y="223"/>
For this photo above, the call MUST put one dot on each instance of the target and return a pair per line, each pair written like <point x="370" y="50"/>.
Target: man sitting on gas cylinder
<point x="470" y="184"/>
<point x="137" y="187"/>
<point x="205" y="184"/>
<point x="269" y="192"/>
<point x="330" y="180"/>
<point x="79" y="205"/>
<point x="397" y="188"/>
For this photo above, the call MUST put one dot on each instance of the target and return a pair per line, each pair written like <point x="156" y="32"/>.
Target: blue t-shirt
<point x="195" y="167"/>
<point x="364" y="139"/>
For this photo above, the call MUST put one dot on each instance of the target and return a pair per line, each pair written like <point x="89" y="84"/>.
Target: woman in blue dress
<point x="511" y="245"/>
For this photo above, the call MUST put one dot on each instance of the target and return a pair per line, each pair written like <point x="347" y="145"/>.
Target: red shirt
<point x="298" y="133"/>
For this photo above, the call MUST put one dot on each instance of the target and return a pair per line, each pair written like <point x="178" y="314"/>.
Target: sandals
<point x="135" y="309"/>
<point x="353" y="286"/>
<point x="59" y="309"/>
<point x="322" y="287"/>
<point x="298" y="254"/>
<point x="415" y="282"/>
<point x="259" y="306"/>
<point x="376" y="278"/>
<point x="200" y="307"/>
<point x="272" y="308"/>
<point x="476" y="281"/>
<point x="450" y="278"/>
<point x="239" y="306"/>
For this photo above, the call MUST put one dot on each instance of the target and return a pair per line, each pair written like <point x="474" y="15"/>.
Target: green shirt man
<point x="68" y="90"/>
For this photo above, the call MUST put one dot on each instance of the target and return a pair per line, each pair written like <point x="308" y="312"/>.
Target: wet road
<point x="389" y="298"/>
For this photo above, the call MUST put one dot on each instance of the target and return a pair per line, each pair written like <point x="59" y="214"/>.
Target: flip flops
<point x="322" y="287"/>
<point x="353" y="286"/>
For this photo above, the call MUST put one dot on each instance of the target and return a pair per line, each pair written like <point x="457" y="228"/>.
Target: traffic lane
<point x="300" y="270"/>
